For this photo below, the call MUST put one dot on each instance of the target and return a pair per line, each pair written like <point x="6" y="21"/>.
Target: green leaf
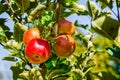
<point x="93" y="10"/>
<point x="75" y="8"/>
<point x="106" y="26"/>
<point x="105" y="3"/>
<point x="3" y="7"/>
<point x="34" y="14"/>
<point x="17" y="69"/>
<point x="115" y="52"/>
<point x="55" y="73"/>
<point x="75" y="75"/>
<point x="22" y="4"/>
<point x="3" y="37"/>
<point x="47" y="18"/>
<point x="118" y="3"/>
<point x="10" y="59"/>
<point x="19" y="30"/>
<point x="5" y="33"/>
<point x="32" y="74"/>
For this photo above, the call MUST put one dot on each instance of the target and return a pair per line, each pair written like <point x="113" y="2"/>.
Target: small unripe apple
<point x="64" y="46"/>
<point x="31" y="34"/>
<point x="66" y="27"/>
<point x="37" y="51"/>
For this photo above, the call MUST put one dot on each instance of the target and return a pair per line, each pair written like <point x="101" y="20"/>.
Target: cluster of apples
<point x="38" y="50"/>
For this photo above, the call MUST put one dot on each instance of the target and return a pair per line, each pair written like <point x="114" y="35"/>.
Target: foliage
<point x="97" y="54"/>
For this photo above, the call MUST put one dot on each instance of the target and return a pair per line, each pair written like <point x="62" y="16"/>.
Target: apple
<point x="64" y="46"/>
<point x="66" y="27"/>
<point x="37" y="51"/>
<point x="31" y="34"/>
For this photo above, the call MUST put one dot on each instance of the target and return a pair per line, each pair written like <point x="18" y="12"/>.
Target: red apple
<point x="65" y="46"/>
<point x="37" y="51"/>
<point x="30" y="34"/>
<point x="66" y="27"/>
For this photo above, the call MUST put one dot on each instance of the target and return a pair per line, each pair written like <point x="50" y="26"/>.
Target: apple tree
<point x="45" y="45"/>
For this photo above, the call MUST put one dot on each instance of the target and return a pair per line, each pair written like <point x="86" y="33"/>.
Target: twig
<point x="118" y="15"/>
<point x="47" y="4"/>
<point x="57" y="15"/>
<point x="9" y="4"/>
<point x="1" y="44"/>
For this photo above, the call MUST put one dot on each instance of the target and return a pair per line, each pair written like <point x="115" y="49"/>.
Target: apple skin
<point x="66" y="27"/>
<point x="65" y="46"/>
<point x="37" y="51"/>
<point x="31" y="34"/>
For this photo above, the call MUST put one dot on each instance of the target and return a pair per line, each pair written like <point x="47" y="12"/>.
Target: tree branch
<point x="9" y="5"/>
<point x="57" y="15"/>
<point x="118" y="15"/>
<point x="1" y="44"/>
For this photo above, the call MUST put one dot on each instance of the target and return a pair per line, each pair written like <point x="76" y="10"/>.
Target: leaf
<point x="10" y="59"/>
<point x="78" y="7"/>
<point x="3" y="7"/>
<point x="75" y="8"/>
<point x="105" y="3"/>
<point x="115" y="52"/>
<point x="36" y="12"/>
<point x="46" y="18"/>
<point x="17" y="69"/>
<point x="19" y="30"/>
<point x="75" y="75"/>
<point x="118" y="3"/>
<point x="32" y="74"/>
<point x="81" y="25"/>
<point x="5" y="33"/>
<point x="93" y="10"/>
<point x="3" y="37"/>
<point x="22" y="4"/>
<point x="55" y="73"/>
<point x="106" y="26"/>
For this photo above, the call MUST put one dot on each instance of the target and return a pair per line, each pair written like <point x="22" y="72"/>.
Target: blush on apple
<point x="37" y="51"/>
<point x="31" y="34"/>
<point x="65" y="46"/>
<point x="66" y="27"/>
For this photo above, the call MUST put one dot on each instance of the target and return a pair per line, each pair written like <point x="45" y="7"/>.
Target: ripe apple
<point x="31" y="34"/>
<point x="66" y="27"/>
<point x="37" y="51"/>
<point x="64" y="46"/>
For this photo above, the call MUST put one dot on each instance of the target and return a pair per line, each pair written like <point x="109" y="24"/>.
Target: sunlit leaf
<point x="55" y="73"/>
<point x="19" y="29"/>
<point x="36" y="13"/>
<point x="17" y="69"/>
<point x="105" y="3"/>
<point x="93" y="10"/>
<point x="75" y="75"/>
<point x="47" y="18"/>
<point x="106" y="26"/>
